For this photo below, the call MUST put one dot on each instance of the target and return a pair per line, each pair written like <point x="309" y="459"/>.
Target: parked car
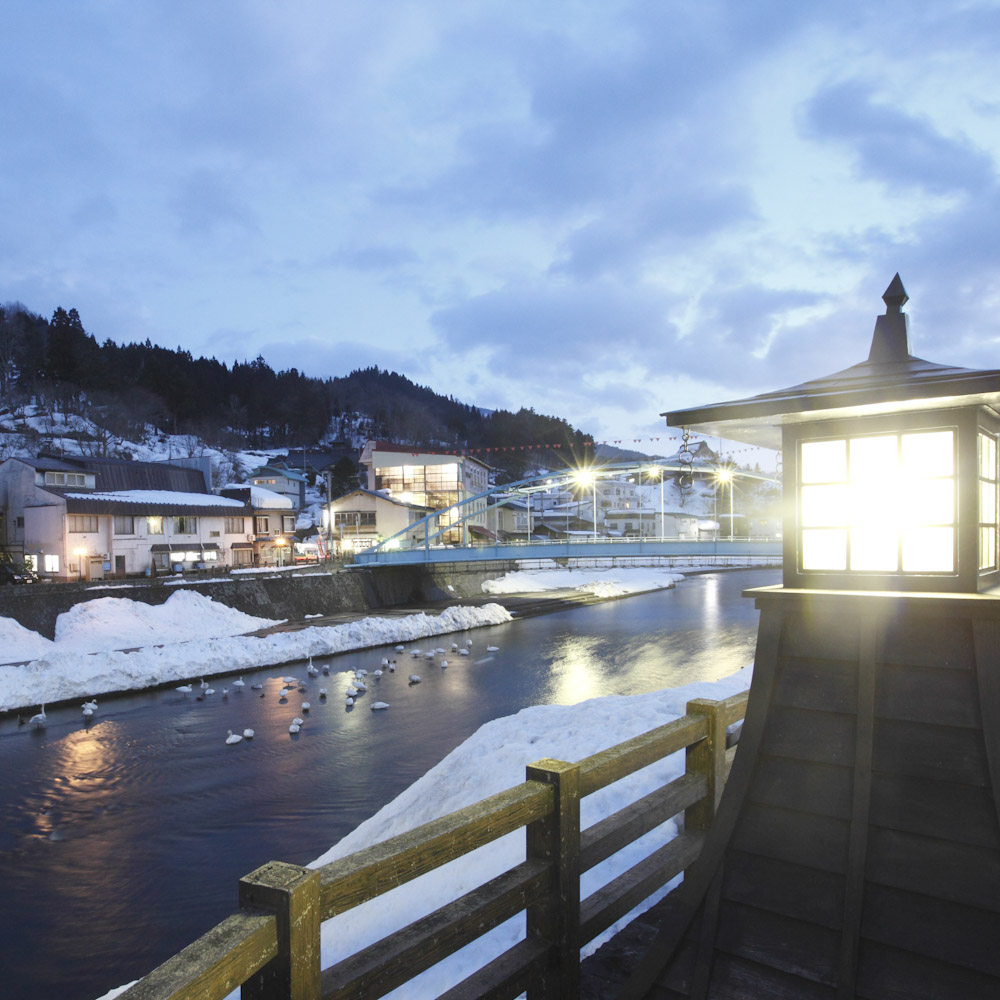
<point x="11" y="573"/>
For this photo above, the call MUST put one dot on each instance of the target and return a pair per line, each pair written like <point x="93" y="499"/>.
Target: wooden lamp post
<point x="855" y="851"/>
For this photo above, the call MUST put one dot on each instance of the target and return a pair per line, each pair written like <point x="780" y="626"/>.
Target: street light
<point x="280" y="542"/>
<point x="655" y="470"/>
<point x="723" y="476"/>
<point x="584" y="478"/>
<point x="81" y="554"/>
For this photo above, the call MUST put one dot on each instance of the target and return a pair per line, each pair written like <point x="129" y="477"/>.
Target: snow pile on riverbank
<point x="62" y="669"/>
<point x="612" y="581"/>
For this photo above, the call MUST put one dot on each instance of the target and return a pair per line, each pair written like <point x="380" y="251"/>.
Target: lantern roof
<point x="890" y="380"/>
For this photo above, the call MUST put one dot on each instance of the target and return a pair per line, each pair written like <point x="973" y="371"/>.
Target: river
<point x="123" y="840"/>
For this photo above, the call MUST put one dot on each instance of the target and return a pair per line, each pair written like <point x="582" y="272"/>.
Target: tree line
<point x="130" y="388"/>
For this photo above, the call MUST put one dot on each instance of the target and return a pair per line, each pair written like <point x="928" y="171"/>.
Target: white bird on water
<point x="306" y="706"/>
<point x="248" y="734"/>
<point x="294" y="728"/>
<point x="414" y="678"/>
<point x="239" y="683"/>
<point x="377" y="706"/>
<point x="184" y="689"/>
<point x="39" y="719"/>
<point x="492" y="649"/>
<point x="232" y="738"/>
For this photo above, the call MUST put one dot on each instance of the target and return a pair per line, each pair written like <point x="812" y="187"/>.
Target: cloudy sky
<point x="599" y="209"/>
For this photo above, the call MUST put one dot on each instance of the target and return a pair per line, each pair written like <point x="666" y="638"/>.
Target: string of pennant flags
<point x="678" y="441"/>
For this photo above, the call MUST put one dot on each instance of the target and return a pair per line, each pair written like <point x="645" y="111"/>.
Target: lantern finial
<point x="895" y="296"/>
<point x="890" y="343"/>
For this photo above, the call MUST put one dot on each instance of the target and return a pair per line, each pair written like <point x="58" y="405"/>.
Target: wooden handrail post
<point x="707" y="758"/>
<point x="556" y="839"/>
<point x="291" y="893"/>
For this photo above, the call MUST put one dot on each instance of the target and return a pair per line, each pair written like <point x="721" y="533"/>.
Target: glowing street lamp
<point x="584" y="478"/>
<point x="280" y="544"/>
<point x="725" y="476"/>
<point x="655" y="470"/>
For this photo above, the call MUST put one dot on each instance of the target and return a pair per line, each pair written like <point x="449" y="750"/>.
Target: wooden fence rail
<point x="271" y="947"/>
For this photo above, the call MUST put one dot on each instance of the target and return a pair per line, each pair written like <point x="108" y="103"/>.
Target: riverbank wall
<point x="280" y="595"/>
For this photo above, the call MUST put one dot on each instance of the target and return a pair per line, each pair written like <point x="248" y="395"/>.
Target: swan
<point x="294" y="728"/>
<point x="298" y="721"/>
<point x="385" y="661"/>
<point x="454" y="645"/>
<point x="239" y="683"/>
<point x="322" y="692"/>
<point x="92" y="705"/>
<point x="392" y="667"/>
<point x="350" y="702"/>
<point x="492" y="649"/>
<point x="248" y="734"/>
<point x="399" y="649"/>
<point x="377" y="706"/>
<point x="225" y="692"/>
<point x="463" y="652"/>
<point x="209" y="691"/>
<point x="414" y="678"/>
<point x="306" y="706"/>
<point x="232" y="738"/>
<point x="88" y="712"/>
<point x="360" y="686"/>
<point x="352" y="691"/>
<point x="430" y="655"/>
<point x="439" y="650"/>
<point x="378" y="673"/>
<point x="444" y="664"/>
<point x="291" y="681"/>
<point x="203" y="685"/>
<point x="184" y="689"/>
<point x="326" y="671"/>
<point x="256" y="687"/>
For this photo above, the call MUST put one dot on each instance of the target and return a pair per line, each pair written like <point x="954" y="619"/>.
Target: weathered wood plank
<point x="735" y="978"/>
<point x="961" y="873"/>
<point x="377" y="869"/>
<point x="214" y="965"/>
<point x="799" y="838"/>
<point x="950" y="932"/>
<point x="986" y="641"/>
<point x="778" y="942"/>
<point x="505" y="978"/>
<point x="922" y="640"/>
<point x="771" y="884"/>
<point x="889" y="974"/>
<point x="820" y="684"/>
<point x="941" y="753"/>
<point x="824" y="789"/>
<point x="609" y="766"/>
<point x="824" y="737"/>
<point x="835" y="635"/>
<point x="620" y="829"/>
<point x="399" y="957"/>
<point x="942" y="809"/>
<point x="613" y="900"/>
<point x="928" y="694"/>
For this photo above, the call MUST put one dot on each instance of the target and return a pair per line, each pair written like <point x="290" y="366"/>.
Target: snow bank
<point x="59" y="673"/>
<point x="610" y="582"/>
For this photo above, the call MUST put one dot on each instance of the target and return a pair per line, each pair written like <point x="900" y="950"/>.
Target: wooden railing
<point x="271" y="947"/>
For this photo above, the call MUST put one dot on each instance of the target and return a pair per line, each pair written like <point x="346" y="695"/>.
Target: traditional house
<point x="81" y="518"/>
<point x="269" y="535"/>
<point x="361" y="518"/>
<point x="280" y="479"/>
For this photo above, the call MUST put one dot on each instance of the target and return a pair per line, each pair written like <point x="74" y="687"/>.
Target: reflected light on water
<point x="577" y="671"/>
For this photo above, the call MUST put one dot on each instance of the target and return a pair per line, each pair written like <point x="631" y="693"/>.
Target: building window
<point x="65" y="479"/>
<point x="82" y="522"/>
<point x="185" y="525"/>
<point x="261" y="525"/>
<point x="288" y="523"/>
<point x="154" y="525"/>
<point x="234" y="525"/>
<point x="878" y="504"/>
<point x="124" y="524"/>
<point x="354" y="518"/>
<point x="50" y="563"/>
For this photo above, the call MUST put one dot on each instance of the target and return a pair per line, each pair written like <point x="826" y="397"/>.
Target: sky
<point x="598" y="210"/>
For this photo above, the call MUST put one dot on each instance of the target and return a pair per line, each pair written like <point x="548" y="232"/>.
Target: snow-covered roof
<point x="170" y="497"/>
<point x="261" y="498"/>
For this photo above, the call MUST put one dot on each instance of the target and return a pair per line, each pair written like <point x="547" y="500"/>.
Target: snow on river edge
<point x="62" y="673"/>
<point x="191" y="636"/>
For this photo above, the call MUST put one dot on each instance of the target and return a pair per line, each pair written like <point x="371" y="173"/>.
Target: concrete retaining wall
<point x="362" y="590"/>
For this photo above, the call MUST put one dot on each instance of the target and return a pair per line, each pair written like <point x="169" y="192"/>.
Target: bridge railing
<point x="271" y="947"/>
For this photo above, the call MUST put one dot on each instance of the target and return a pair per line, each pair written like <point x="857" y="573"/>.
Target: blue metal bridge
<point x="423" y="542"/>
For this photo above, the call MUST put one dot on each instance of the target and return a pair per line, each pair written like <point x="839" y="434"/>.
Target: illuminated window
<point x="154" y="525"/>
<point x="988" y="511"/>
<point x="879" y="504"/>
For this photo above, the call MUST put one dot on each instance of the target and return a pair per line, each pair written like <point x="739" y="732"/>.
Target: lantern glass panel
<point x="874" y="550"/>
<point x="824" y="549"/>
<point x="823" y="506"/>
<point x="823" y="462"/>
<point x="928" y="550"/>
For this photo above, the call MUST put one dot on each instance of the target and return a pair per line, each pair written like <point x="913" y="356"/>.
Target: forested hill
<point x="136" y="386"/>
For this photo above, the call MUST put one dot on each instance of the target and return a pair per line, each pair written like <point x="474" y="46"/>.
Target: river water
<point x="123" y="840"/>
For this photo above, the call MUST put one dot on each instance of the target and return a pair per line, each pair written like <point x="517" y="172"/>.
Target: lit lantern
<point x="860" y="817"/>
<point x="890" y="467"/>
